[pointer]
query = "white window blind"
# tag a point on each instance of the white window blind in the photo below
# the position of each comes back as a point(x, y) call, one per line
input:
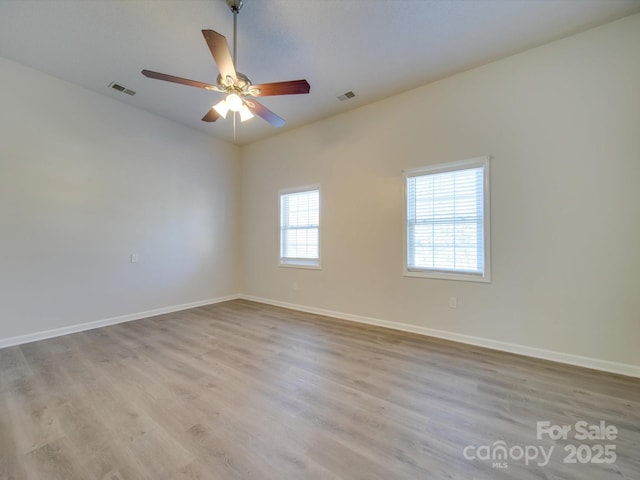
point(447, 225)
point(300, 227)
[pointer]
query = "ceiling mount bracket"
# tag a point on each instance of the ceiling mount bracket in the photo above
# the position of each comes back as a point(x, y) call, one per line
point(235, 5)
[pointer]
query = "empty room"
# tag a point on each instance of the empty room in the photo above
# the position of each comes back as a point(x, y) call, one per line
point(319, 239)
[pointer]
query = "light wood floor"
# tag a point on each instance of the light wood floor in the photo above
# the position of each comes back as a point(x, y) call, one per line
point(240, 390)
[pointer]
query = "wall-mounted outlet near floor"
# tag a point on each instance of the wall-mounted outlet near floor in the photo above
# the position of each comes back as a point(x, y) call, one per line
point(134, 258)
point(453, 302)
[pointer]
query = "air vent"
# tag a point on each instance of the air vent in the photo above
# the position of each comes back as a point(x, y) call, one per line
point(346, 96)
point(121, 89)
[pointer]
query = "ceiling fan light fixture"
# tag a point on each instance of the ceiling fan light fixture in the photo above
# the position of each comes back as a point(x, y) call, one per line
point(245, 113)
point(234, 102)
point(222, 108)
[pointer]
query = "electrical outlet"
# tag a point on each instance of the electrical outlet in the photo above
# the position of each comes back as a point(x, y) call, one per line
point(453, 302)
point(134, 258)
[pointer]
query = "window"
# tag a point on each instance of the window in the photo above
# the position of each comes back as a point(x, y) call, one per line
point(300, 227)
point(447, 221)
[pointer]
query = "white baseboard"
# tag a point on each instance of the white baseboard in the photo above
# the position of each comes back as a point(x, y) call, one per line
point(56, 332)
point(567, 358)
point(570, 359)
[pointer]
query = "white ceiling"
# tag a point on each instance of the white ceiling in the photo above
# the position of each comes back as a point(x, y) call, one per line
point(374, 47)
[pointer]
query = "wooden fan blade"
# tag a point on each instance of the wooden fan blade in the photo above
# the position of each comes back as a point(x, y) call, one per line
point(292, 87)
point(211, 116)
point(265, 113)
point(182, 81)
point(220, 50)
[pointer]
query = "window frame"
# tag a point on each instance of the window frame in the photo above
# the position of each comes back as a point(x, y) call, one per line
point(312, 264)
point(485, 163)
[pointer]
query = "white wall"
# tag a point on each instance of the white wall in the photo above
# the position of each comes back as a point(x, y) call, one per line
point(84, 182)
point(563, 125)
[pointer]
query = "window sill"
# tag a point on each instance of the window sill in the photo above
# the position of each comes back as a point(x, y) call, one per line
point(440, 275)
point(307, 266)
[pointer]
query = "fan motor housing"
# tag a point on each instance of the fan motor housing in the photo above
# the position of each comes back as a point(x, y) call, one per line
point(243, 81)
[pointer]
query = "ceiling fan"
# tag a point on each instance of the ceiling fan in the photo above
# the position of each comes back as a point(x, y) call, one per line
point(238, 89)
